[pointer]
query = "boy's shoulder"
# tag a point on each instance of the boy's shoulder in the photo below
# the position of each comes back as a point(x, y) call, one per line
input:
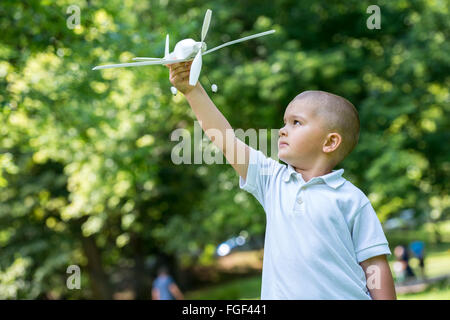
point(351, 198)
point(350, 188)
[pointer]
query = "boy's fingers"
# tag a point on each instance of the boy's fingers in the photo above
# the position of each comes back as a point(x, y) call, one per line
point(179, 80)
point(181, 75)
point(184, 74)
point(179, 66)
point(180, 70)
point(182, 64)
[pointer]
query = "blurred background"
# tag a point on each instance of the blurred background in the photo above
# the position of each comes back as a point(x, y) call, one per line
point(86, 177)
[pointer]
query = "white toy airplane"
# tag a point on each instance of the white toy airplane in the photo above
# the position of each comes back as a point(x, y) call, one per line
point(185, 50)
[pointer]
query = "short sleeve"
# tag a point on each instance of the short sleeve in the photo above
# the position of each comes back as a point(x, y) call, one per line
point(367, 234)
point(259, 173)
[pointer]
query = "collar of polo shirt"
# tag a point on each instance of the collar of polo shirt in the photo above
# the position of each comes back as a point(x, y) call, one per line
point(333, 179)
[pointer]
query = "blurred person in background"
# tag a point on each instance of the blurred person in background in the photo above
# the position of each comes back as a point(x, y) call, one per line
point(164, 287)
point(401, 266)
point(418, 250)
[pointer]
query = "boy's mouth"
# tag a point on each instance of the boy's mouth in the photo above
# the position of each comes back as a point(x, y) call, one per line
point(282, 144)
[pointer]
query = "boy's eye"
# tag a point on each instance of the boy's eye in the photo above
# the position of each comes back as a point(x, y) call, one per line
point(296, 121)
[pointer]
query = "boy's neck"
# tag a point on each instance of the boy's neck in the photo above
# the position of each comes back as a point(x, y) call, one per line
point(316, 171)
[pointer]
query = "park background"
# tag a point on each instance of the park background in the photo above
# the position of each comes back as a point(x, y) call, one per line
point(86, 176)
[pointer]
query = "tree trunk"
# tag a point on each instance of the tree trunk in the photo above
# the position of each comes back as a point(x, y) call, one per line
point(101, 288)
point(142, 285)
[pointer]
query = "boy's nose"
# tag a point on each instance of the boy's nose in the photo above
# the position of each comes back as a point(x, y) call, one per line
point(282, 132)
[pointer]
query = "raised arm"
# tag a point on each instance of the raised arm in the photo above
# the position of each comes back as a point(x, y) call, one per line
point(213, 123)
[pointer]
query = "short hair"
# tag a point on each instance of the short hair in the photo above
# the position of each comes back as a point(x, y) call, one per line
point(339, 115)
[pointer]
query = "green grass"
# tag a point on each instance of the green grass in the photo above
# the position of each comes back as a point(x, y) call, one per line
point(437, 263)
point(438, 291)
point(434, 295)
point(245, 288)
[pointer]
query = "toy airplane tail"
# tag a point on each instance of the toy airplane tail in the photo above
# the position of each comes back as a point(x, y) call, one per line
point(166, 50)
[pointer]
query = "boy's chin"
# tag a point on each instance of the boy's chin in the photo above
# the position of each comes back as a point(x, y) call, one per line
point(287, 158)
point(282, 156)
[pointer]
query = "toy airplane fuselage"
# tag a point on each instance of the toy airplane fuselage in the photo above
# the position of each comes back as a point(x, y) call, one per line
point(185, 50)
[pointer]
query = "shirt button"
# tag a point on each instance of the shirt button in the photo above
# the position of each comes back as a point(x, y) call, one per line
point(299, 200)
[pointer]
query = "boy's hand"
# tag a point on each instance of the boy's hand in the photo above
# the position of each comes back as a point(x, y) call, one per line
point(179, 76)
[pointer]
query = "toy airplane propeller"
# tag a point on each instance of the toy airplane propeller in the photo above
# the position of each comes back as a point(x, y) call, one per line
point(185, 50)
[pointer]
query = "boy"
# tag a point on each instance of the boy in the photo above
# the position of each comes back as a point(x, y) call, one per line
point(323, 238)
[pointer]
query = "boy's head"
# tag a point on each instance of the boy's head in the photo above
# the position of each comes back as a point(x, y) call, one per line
point(318, 126)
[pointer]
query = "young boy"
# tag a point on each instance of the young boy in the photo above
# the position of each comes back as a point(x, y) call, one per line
point(323, 239)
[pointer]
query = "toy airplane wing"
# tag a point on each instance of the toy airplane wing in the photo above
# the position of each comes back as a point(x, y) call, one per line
point(145, 61)
point(137, 64)
point(239, 40)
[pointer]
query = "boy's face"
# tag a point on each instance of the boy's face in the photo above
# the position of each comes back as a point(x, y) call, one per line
point(303, 135)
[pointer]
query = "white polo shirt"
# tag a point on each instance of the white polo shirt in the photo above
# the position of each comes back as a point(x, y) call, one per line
point(316, 232)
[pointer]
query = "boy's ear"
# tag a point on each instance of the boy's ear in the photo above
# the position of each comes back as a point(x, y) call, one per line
point(332, 142)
